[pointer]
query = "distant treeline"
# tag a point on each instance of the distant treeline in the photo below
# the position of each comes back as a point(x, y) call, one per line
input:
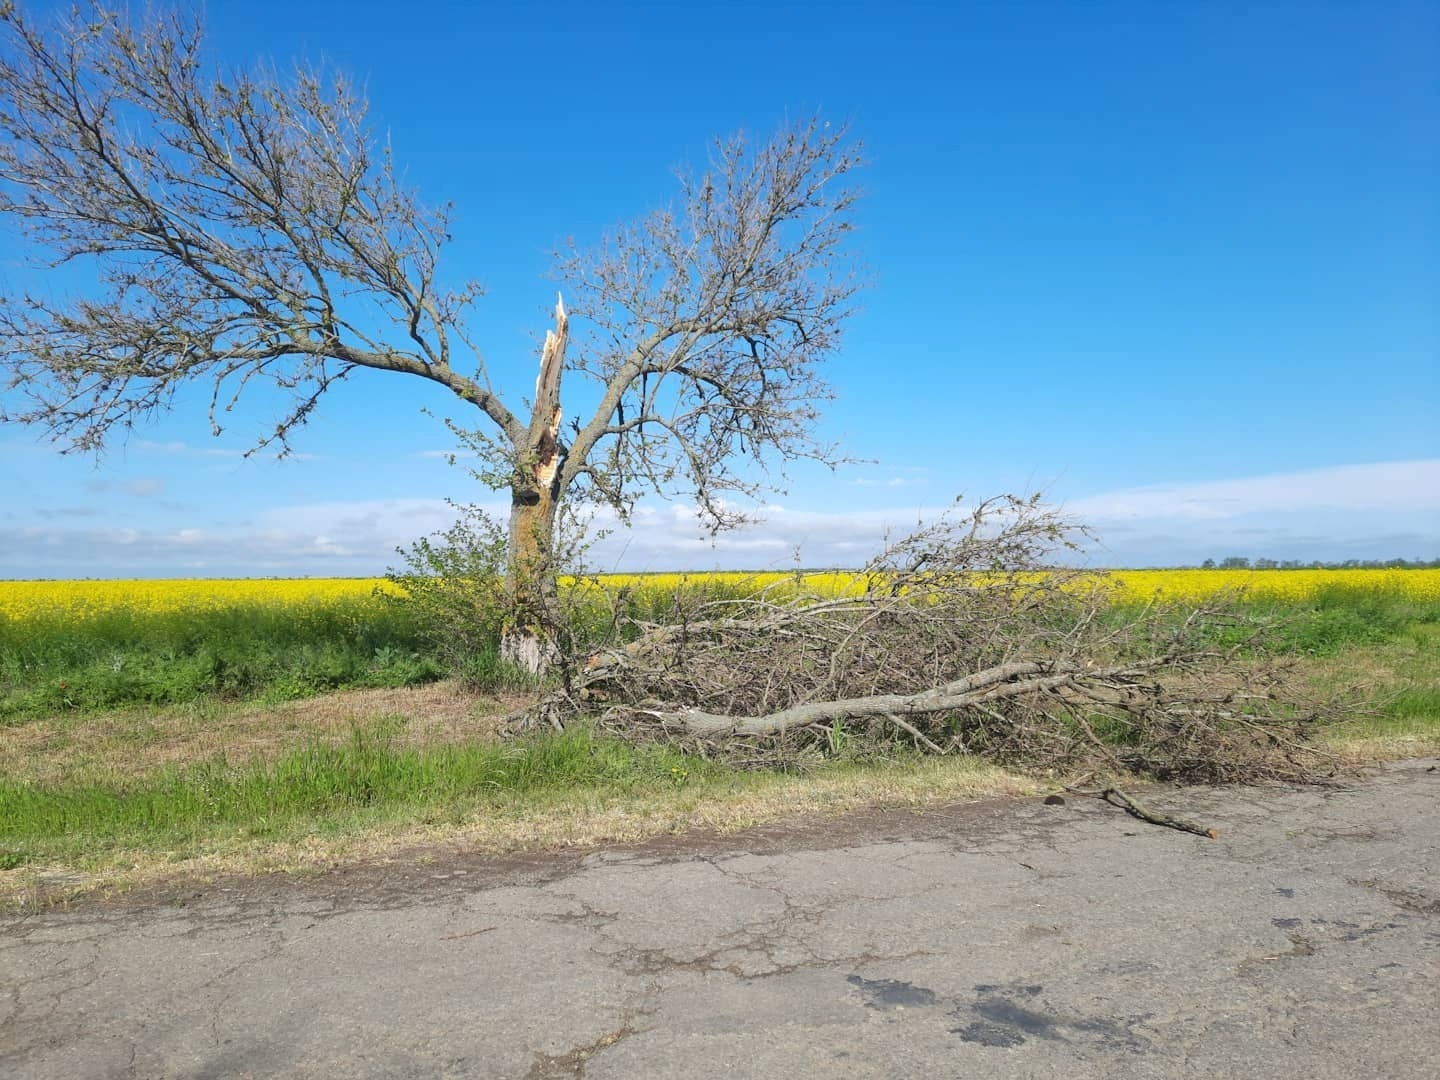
point(1235, 562)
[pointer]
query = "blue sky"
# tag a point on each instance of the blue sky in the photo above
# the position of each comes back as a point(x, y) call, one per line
point(1175, 265)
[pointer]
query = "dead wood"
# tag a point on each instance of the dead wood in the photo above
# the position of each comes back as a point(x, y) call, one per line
point(961, 637)
point(996, 684)
point(1116, 797)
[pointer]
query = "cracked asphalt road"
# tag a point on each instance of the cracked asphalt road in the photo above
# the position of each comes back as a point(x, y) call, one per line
point(1004, 939)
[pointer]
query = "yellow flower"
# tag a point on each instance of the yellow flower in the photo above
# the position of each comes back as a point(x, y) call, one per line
point(79, 600)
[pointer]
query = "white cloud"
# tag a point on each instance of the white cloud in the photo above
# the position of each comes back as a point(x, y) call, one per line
point(673, 538)
point(388, 521)
point(176, 447)
point(1353, 511)
point(1375, 511)
point(892, 482)
point(1397, 486)
point(140, 486)
point(144, 486)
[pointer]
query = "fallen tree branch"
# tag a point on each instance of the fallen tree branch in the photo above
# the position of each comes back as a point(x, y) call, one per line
point(993, 684)
point(1115, 797)
point(962, 637)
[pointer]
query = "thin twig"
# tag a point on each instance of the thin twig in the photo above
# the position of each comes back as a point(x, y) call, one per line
point(913, 731)
point(1115, 797)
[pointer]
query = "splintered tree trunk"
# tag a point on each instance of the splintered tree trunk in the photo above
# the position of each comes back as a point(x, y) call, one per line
point(529, 639)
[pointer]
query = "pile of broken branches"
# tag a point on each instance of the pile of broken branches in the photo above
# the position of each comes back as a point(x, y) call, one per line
point(961, 637)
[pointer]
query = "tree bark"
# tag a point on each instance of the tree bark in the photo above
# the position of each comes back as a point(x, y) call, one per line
point(980, 689)
point(528, 639)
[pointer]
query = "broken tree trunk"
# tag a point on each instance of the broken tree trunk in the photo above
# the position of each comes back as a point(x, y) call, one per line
point(528, 639)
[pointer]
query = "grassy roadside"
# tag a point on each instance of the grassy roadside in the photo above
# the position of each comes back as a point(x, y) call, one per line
point(138, 796)
point(1400, 678)
point(107, 798)
point(370, 796)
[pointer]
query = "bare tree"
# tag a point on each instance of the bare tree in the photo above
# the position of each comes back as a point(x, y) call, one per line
point(247, 229)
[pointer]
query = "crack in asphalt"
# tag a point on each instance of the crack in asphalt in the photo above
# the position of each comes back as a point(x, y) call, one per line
point(573, 1062)
point(1283, 949)
point(227, 974)
point(763, 936)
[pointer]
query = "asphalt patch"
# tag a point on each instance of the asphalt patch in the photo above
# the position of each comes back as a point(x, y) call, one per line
point(891, 993)
point(1004, 1017)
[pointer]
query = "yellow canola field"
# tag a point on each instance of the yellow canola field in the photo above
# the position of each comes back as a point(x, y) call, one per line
point(1287, 585)
point(84, 599)
point(87, 599)
point(1128, 585)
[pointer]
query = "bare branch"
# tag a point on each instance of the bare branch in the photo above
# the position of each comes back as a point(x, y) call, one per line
point(242, 229)
point(239, 228)
point(710, 320)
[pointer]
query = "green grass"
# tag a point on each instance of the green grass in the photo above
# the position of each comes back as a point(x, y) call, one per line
point(1336, 618)
point(326, 789)
point(50, 666)
point(1340, 617)
point(377, 783)
point(53, 665)
point(1401, 676)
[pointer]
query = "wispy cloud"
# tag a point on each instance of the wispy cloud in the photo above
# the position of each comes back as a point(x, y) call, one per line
point(140, 486)
point(144, 486)
point(51, 514)
point(175, 447)
point(1351, 511)
point(185, 449)
point(892, 482)
point(889, 475)
point(1396, 486)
